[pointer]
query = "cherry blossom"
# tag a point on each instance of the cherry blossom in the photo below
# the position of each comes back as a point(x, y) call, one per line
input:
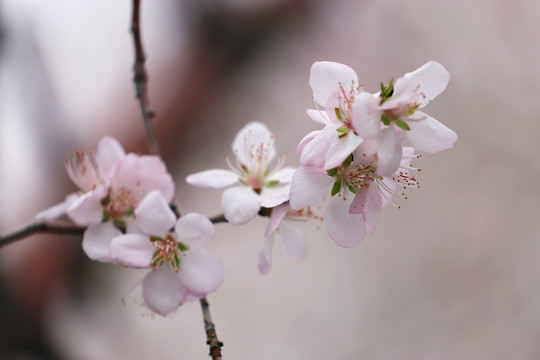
point(182, 268)
point(283, 219)
point(112, 183)
point(259, 186)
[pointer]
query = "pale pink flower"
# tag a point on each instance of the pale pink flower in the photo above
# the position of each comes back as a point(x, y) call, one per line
point(182, 269)
point(112, 183)
point(283, 220)
point(259, 186)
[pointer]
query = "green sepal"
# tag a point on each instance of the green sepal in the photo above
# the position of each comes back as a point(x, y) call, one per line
point(129, 212)
point(156, 258)
point(183, 247)
point(120, 223)
point(332, 172)
point(177, 261)
point(352, 189)
point(106, 215)
point(338, 114)
point(271, 183)
point(336, 187)
point(343, 129)
point(155, 238)
point(402, 124)
point(385, 119)
point(348, 160)
point(106, 201)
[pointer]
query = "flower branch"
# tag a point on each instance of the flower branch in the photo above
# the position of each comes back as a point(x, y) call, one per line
point(40, 228)
point(211, 337)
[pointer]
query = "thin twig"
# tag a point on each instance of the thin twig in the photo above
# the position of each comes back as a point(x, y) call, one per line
point(40, 227)
point(141, 81)
point(218, 219)
point(211, 336)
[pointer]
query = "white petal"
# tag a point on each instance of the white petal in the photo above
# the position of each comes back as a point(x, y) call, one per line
point(278, 213)
point(132, 250)
point(306, 140)
point(319, 116)
point(154, 215)
point(109, 152)
point(368, 202)
point(428, 134)
point(404, 94)
point(97, 240)
point(341, 149)
point(283, 175)
point(431, 79)
point(154, 176)
point(293, 239)
point(58, 210)
point(389, 151)
point(345, 229)
point(273, 196)
point(87, 209)
point(163, 291)
point(240, 204)
point(214, 178)
point(309, 186)
point(194, 230)
point(366, 119)
point(326, 77)
point(265, 257)
point(201, 272)
point(249, 139)
point(314, 152)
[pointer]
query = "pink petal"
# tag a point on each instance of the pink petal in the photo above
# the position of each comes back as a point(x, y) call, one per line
point(326, 77)
point(265, 257)
point(309, 186)
point(214, 178)
point(97, 240)
point(293, 239)
point(109, 152)
point(283, 175)
point(389, 151)
point(368, 202)
point(345, 229)
point(404, 94)
point(249, 139)
point(273, 196)
point(431, 80)
point(428, 134)
point(319, 116)
point(340, 149)
point(240, 204)
point(58, 210)
point(194, 230)
point(87, 209)
point(306, 140)
point(314, 152)
point(201, 272)
point(162, 290)
point(366, 119)
point(154, 215)
point(278, 213)
point(132, 250)
point(154, 176)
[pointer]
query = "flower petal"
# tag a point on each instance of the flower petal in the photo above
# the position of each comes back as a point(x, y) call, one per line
point(154, 176)
point(109, 152)
point(326, 77)
point(366, 119)
point(368, 202)
point(314, 152)
point(97, 240)
point(345, 229)
point(132, 250)
point(339, 150)
point(163, 291)
point(306, 140)
point(278, 213)
point(431, 80)
point(293, 239)
point(154, 215)
point(404, 94)
point(428, 134)
point(201, 272)
point(194, 230)
point(273, 196)
point(58, 210)
point(283, 175)
point(214, 178)
point(319, 116)
point(389, 151)
point(265, 256)
point(240, 204)
point(87, 209)
point(249, 140)
point(309, 186)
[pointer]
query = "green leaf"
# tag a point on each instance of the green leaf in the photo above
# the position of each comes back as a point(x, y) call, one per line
point(106, 215)
point(352, 189)
point(332, 172)
point(129, 212)
point(343, 129)
point(402, 124)
point(271, 183)
point(120, 223)
point(182, 247)
point(385, 119)
point(348, 160)
point(336, 187)
point(177, 261)
point(338, 114)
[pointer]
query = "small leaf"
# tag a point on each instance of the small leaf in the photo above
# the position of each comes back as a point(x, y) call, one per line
point(352, 189)
point(332, 172)
point(343, 129)
point(120, 223)
point(106, 215)
point(183, 247)
point(336, 187)
point(338, 114)
point(177, 262)
point(271, 183)
point(348, 160)
point(385, 119)
point(402, 124)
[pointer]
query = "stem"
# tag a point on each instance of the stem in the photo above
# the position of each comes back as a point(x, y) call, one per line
point(211, 336)
point(218, 219)
point(141, 81)
point(40, 227)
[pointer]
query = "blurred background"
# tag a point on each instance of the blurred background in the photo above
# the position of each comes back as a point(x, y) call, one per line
point(453, 274)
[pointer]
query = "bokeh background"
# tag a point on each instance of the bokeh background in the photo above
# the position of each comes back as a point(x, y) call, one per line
point(453, 274)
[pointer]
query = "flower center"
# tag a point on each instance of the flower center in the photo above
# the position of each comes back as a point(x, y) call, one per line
point(82, 168)
point(120, 203)
point(168, 250)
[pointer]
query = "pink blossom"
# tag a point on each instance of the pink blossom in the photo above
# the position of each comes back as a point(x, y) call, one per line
point(259, 186)
point(182, 269)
